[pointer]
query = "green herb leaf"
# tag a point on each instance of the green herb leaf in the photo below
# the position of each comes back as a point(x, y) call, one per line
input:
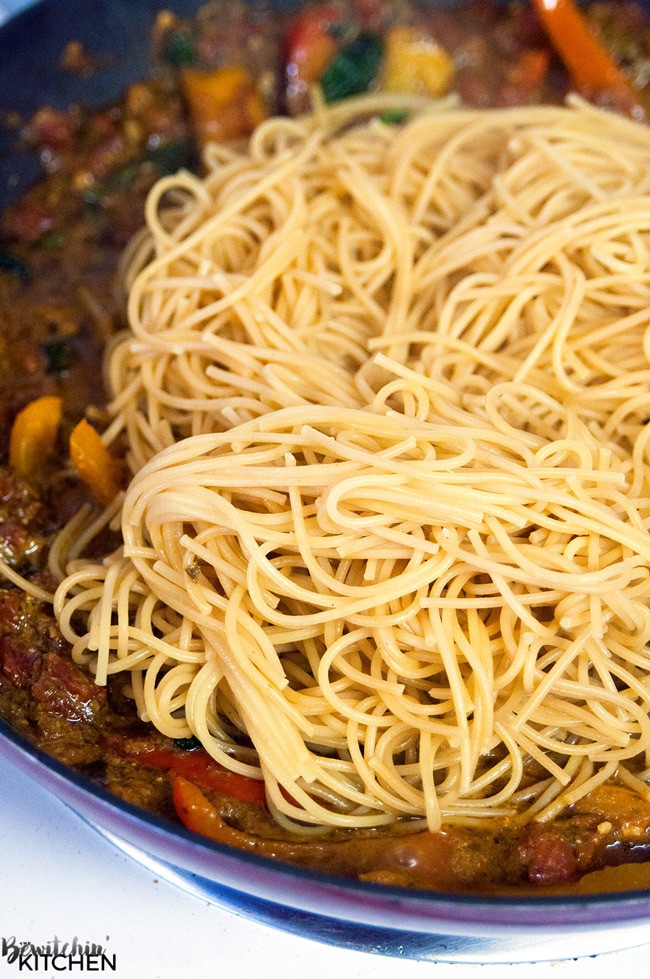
point(354, 69)
point(187, 744)
point(57, 353)
point(180, 50)
point(394, 117)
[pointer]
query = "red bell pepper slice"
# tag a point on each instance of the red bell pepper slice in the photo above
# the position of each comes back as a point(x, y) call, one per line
point(197, 766)
point(309, 44)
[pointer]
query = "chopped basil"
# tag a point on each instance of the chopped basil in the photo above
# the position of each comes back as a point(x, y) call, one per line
point(180, 50)
point(354, 69)
point(57, 353)
point(394, 117)
point(187, 744)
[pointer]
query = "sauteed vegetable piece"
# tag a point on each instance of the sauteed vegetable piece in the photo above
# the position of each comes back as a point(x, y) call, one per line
point(224, 104)
point(194, 764)
point(586, 58)
point(33, 435)
point(456, 858)
point(100, 470)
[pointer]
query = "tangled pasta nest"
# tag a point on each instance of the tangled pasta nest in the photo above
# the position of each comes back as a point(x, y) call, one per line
point(386, 394)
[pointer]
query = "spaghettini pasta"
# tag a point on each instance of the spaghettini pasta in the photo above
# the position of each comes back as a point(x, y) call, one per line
point(386, 393)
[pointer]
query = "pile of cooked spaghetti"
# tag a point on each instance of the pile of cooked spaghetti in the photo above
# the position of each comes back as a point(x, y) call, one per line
point(386, 402)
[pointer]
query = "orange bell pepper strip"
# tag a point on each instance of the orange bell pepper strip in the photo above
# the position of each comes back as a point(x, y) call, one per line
point(99, 470)
point(224, 105)
point(33, 435)
point(425, 857)
point(195, 811)
point(585, 57)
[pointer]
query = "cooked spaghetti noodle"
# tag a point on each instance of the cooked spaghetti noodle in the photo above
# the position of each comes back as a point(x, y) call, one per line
point(386, 395)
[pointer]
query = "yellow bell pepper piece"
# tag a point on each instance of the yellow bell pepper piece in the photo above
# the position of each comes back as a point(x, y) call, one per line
point(224, 104)
point(33, 435)
point(414, 63)
point(99, 470)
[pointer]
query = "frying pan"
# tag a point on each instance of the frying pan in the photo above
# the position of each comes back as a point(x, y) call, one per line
point(390, 920)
